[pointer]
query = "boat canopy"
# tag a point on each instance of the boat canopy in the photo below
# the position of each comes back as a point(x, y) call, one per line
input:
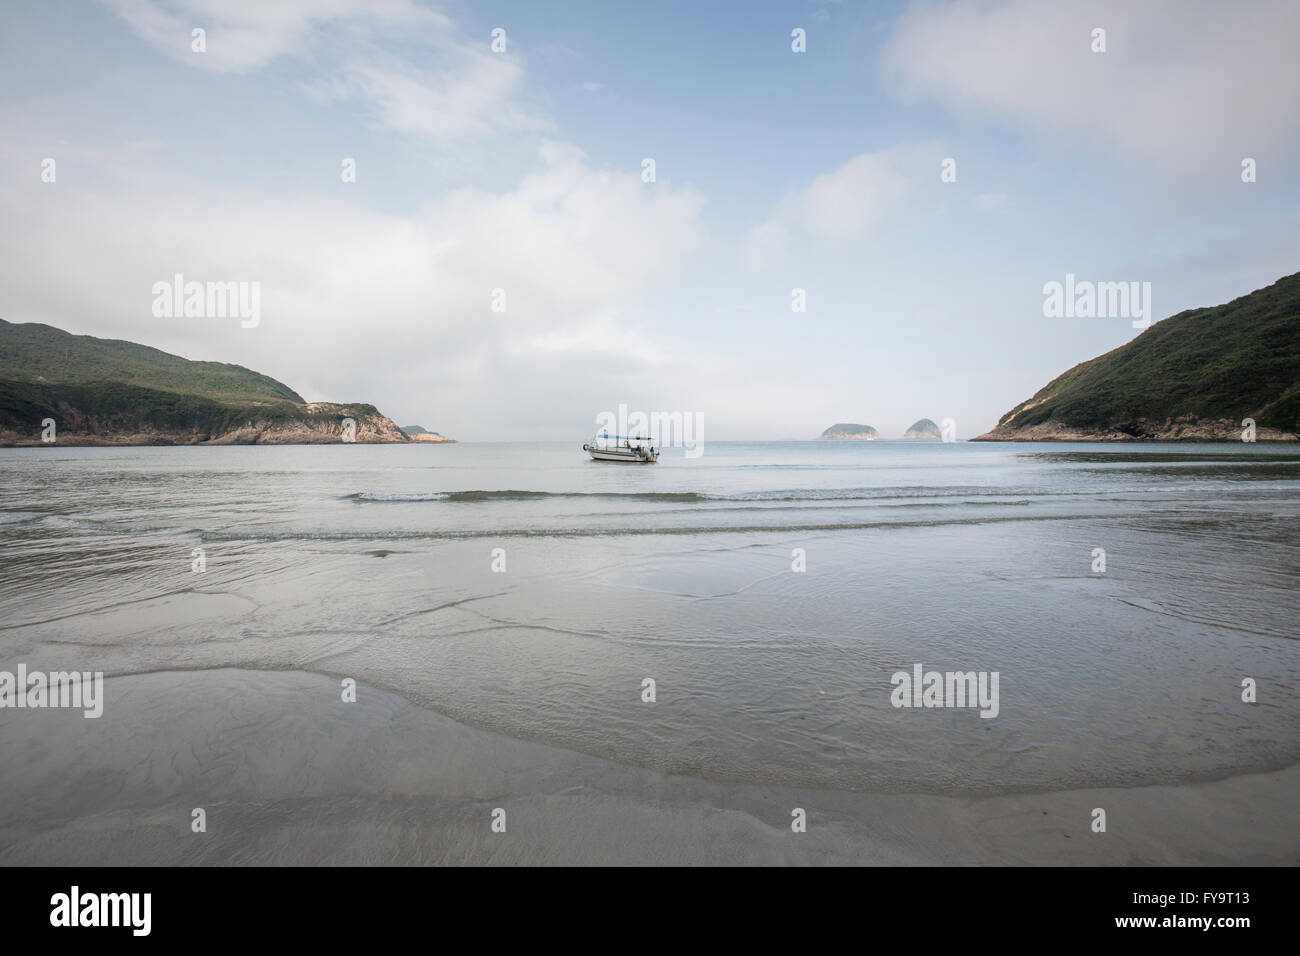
point(628, 437)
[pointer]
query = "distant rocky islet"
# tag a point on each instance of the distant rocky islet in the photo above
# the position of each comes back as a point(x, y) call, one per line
point(922, 430)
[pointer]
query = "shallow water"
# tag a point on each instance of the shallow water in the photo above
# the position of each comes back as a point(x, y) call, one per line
point(376, 563)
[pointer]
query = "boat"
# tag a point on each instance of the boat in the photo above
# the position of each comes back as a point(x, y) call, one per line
point(631, 448)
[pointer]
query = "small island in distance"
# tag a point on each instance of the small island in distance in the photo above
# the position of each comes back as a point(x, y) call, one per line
point(846, 431)
point(420, 433)
point(923, 430)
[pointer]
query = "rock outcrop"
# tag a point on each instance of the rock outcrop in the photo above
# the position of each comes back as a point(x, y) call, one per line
point(1188, 429)
point(419, 433)
point(315, 423)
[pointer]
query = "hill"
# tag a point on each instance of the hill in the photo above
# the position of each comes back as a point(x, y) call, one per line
point(41, 353)
point(1193, 376)
point(108, 391)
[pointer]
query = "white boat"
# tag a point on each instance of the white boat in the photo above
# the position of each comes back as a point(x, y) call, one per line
point(630, 448)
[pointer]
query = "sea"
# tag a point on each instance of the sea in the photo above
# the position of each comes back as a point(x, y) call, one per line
point(743, 615)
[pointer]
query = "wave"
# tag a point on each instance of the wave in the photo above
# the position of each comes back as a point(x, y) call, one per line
point(605, 532)
point(794, 494)
point(465, 497)
point(18, 517)
point(381, 496)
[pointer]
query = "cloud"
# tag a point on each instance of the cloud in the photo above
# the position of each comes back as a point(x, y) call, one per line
point(242, 37)
point(358, 305)
point(455, 89)
point(848, 202)
point(471, 101)
point(1186, 83)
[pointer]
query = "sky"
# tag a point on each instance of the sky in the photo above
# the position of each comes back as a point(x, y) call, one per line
point(523, 169)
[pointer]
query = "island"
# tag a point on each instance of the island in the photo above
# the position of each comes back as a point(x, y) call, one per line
point(1201, 375)
point(923, 430)
point(422, 434)
point(846, 431)
point(64, 389)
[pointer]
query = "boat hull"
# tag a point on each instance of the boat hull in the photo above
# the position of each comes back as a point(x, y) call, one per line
point(621, 454)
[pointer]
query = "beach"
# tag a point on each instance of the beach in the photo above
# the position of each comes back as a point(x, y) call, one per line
point(496, 622)
point(287, 774)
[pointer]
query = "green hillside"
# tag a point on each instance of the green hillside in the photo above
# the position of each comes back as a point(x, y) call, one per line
point(1227, 362)
point(105, 391)
point(31, 352)
point(107, 407)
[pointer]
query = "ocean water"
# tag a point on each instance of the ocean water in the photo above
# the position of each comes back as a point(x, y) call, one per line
point(526, 590)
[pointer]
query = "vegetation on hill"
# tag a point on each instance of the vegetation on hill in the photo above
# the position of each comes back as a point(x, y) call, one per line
point(106, 390)
point(32, 352)
point(1225, 363)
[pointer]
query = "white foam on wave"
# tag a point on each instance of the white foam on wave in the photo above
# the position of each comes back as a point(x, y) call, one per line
point(385, 496)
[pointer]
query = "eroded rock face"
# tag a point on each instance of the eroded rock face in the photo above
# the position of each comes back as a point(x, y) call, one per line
point(326, 426)
point(316, 423)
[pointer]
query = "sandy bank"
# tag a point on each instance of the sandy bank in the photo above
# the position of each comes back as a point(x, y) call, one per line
point(288, 773)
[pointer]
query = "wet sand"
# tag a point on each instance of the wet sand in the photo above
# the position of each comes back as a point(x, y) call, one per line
point(290, 774)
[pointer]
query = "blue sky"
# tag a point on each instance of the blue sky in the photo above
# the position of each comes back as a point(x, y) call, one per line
point(521, 171)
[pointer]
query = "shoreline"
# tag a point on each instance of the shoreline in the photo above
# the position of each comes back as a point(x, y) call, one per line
point(1130, 440)
point(1169, 431)
point(79, 441)
point(991, 437)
